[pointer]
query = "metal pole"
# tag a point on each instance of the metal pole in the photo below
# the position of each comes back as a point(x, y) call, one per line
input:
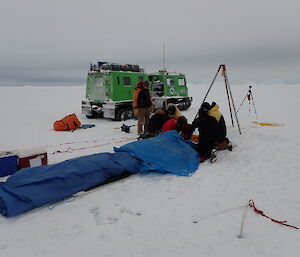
point(242, 102)
point(240, 235)
point(236, 117)
point(209, 88)
point(165, 80)
point(253, 104)
point(226, 86)
point(211, 84)
point(163, 57)
point(249, 101)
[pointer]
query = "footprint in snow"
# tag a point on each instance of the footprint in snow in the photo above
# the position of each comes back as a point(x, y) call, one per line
point(130, 212)
point(96, 214)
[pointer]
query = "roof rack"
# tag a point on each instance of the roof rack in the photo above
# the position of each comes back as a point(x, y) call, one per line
point(115, 67)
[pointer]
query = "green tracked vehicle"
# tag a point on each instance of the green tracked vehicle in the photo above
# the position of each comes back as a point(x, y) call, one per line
point(110, 87)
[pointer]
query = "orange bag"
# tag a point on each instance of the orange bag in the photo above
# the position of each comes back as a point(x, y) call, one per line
point(69, 122)
point(136, 111)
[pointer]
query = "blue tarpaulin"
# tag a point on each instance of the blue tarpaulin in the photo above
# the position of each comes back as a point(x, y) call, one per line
point(166, 153)
point(33, 187)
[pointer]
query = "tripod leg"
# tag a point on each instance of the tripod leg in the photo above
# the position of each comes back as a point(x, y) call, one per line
point(211, 84)
point(242, 103)
point(249, 107)
point(253, 105)
point(226, 86)
point(235, 113)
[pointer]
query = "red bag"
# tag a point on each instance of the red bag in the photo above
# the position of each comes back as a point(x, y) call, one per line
point(69, 122)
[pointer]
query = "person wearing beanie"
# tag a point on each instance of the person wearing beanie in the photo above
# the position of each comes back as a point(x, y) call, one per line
point(142, 105)
point(156, 122)
point(173, 110)
point(208, 133)
point(212, 131)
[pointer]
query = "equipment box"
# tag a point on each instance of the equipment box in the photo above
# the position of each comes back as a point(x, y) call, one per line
point(8, 163)
point(33, 157)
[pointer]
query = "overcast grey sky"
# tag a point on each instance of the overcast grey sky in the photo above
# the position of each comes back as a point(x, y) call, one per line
point(53, 41)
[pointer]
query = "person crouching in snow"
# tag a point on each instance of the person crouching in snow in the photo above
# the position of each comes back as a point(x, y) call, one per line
point(179, 124)
point(158, 119)
point(156, 122)
point(212, 132)
point(208, 133)
point(222, 142)
point(142, 105)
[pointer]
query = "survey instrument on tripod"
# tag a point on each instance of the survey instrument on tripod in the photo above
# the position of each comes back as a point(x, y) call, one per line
point(249, 97)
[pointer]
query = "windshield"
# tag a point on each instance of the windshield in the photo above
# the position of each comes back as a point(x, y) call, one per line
point(98, 91)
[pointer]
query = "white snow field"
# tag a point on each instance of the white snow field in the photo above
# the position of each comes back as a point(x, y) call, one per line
point(162, 215)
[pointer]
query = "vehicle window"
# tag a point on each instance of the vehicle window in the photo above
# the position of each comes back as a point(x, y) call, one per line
point(99, 82)
point(170, 82)
point(141, 78)
point(126, 81)
point(181, 82)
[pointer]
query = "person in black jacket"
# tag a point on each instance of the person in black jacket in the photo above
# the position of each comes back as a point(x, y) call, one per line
point(208, 133)
point(222, 142)
point(156, 122)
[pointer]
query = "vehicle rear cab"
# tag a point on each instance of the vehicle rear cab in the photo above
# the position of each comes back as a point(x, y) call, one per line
point(169, 88)
point(109, 93)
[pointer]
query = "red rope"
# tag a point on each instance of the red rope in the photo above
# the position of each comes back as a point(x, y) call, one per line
point(282, 222)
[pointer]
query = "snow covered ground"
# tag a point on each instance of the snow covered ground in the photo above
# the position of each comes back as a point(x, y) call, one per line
point(161, 215)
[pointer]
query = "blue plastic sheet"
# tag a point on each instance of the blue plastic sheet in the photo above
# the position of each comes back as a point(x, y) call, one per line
point(166, 153)
point(33, 187)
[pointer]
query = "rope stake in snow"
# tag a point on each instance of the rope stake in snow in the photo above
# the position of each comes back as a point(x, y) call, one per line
point(282, 222)
point(240, 235)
